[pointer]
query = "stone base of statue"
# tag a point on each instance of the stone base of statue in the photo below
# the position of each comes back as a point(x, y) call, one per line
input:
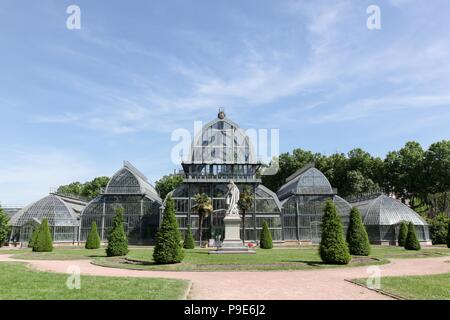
point(232, 242)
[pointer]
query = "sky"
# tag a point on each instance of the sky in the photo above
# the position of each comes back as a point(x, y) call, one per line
point(75, 103)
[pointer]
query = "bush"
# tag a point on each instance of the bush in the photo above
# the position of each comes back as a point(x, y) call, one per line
point(117, 238)
point(357, 238)
point(43, 242)
point(438, 229)
point(4, 227)
point(168, 247)
point(188, 239)
point(33, 238)
point(333, 247)
point(412, 243)
point(265, 241)
point(93, 239)
point(403, 233)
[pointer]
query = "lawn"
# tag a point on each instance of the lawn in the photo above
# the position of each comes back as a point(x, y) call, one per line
point(431, 287)
point(294, 258)
point(19, 282)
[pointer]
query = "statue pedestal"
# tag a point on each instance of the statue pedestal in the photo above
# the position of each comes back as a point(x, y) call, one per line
point(232, 242)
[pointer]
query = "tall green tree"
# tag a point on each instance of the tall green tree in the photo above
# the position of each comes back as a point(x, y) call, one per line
point(448, 235)
point(93, 239)
point(88, 190)
point(44, 241)
point(412, 243)
point(188, 239)
point(167, 184)
point(5, 228)
point(403, 233)
point(34, 236)
point(333, 247)
point(245, 203)
point(203, 207)
point(117, 238)
point(357, 238)
point(438, 228)
point(168, 247)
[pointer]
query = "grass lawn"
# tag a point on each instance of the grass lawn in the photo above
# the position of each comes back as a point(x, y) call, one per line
point(431, 287)
point(297, 258)
point(19, 282)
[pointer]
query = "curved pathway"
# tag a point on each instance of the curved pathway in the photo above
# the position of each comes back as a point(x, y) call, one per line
point(298, 284)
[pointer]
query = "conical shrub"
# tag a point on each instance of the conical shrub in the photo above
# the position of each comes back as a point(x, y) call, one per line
point(93, 239)
point(412, 243)
point(43, 241)
point(33, 237)
point(168, 247)
point(117, 238)
point(265, 241)
point(403, 233)
point(333, 247)
point(357, 238)
point(188, 239)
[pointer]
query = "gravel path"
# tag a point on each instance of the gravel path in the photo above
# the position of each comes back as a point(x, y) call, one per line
point(298, 284)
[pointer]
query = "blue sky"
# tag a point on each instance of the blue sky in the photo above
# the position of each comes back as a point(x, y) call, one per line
point(75, 104)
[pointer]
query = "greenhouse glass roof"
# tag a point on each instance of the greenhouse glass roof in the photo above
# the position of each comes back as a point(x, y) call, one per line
point(54, 208)
point(385, 210)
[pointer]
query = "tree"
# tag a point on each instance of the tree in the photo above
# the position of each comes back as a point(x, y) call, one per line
point(34, 236)
point(333, 248)
point(357, 238)
point(88, 190)
point(245, 203)
point(43, 242)
point(412, 243)
point(167, 184)
point(188, 239)
point(402, 235)
point(117, 238)
point(438, 228)
point(168, 247)
point(265, 241)
point(203, 207)
point(93, 239)
point(5, 228)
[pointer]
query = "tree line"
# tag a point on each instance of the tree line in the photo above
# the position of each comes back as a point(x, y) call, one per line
point(418, 177)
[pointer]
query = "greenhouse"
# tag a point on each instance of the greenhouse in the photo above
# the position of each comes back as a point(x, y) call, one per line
point(61, 212)
point(303, 199)
point(383, 215)
point(128, 189)
point(222, 152)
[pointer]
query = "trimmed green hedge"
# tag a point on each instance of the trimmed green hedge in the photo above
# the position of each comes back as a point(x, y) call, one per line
point(117, 238)
point(93, 239)
point(43, 241)
point(265, 241)
point(357, 238)
point(189, 239)
point(412, 243)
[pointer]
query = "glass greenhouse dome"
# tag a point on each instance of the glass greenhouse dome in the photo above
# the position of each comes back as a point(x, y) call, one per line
point(383, 215)
point(61, 212)
point(128, 189)
point(303, 199)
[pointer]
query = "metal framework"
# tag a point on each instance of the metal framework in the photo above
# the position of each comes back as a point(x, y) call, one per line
point(130, 190)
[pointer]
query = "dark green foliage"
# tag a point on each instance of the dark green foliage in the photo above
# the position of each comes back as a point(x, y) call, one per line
point(33, 237)
point(333, 248)
point(265, 241)
point(188, 239)
point(245, 203)
point(4, 227)
point(412, 243)
point(448, 235)
point(117, 238)
point(403, 233)
point(88, 190)
point(168, 247)
point(93, 239)
point(43, 242)
point(167, 184)
point(357, 238)
point(438, 228)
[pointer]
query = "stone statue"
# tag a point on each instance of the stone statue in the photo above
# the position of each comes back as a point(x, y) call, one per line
point(232, 199)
